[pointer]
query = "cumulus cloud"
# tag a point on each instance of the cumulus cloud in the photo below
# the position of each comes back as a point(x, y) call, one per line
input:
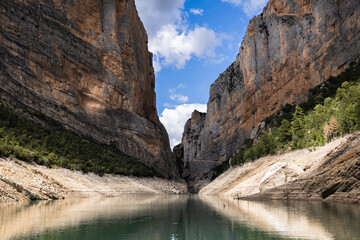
point(179, 98)
point(174, 120)
point(157, 13)
point(173, 46)
point(197, 11)
point(171, 38)
point(250, 7)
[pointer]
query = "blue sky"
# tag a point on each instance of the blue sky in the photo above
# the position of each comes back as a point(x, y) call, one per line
point(193, 41)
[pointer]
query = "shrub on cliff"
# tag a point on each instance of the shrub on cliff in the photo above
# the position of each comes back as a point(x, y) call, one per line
point(46, 142)
point(334, 111)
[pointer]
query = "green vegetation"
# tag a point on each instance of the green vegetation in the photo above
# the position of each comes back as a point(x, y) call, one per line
point(46, 142)
point(333, 110)
point(218, 170)
point(317, 95)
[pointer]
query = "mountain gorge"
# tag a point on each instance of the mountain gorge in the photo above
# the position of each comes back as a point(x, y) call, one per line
point(86, 65)
point(83, 67)
point(290, 48)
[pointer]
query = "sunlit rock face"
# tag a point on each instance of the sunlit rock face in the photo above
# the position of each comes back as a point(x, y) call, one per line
point(293, 46)
point(85, 63)
point(331, 173)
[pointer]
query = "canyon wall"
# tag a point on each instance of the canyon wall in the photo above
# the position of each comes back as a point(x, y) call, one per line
point(291, 47)
point(85, 63)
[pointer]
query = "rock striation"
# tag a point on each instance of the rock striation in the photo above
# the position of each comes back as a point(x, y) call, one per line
point(191, 143)
point(22, 181)
point(85, 63)
point(291, 47)
point(331, 173)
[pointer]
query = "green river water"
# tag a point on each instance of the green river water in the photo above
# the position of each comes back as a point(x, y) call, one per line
point(189, 217)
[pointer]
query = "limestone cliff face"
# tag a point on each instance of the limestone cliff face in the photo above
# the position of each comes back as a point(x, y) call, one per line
point(294, 45)
point(191, 143)
point(85, 63)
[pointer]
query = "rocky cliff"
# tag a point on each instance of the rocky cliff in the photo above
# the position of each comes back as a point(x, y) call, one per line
point(291, 47)
point(190, 145)
point(85, 63)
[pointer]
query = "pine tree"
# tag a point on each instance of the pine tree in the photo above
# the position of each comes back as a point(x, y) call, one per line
point(297, 128)
point(357, 116)
point(285, 131)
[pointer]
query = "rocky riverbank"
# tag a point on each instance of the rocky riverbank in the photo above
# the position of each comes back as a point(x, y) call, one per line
point(331, 173)
point(21, 181)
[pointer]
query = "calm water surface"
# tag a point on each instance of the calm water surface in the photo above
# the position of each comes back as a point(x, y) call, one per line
point(178, 217)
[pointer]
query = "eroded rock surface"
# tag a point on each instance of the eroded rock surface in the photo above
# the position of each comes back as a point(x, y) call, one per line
point(293, 46)
point(279, 174)
point(331, 173)
point(85, 63)
point(21, 181)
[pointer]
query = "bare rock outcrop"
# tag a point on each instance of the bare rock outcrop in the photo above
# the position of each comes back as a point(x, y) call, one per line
point(331, 173)
point(85, 63)
point(291, 47)
point(279, 174)
point(21, 181)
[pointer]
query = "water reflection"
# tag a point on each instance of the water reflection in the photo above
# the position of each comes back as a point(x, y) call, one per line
point(27, 219)
point(177, 218)
point(294, 219)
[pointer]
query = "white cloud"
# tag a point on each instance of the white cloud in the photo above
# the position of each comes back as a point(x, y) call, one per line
point(250, 7)
point(179, 98)
point(171, 39)
point(169, 105)
point(197, 11)
point(235, 2)
point(157, 66)
point(176, 47)
point(174, 120)
point(157, 13)
point(181, 85)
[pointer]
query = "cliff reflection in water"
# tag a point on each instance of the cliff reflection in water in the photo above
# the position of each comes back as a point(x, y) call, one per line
point(25, 220)
point(177, 217)
point(292, 219)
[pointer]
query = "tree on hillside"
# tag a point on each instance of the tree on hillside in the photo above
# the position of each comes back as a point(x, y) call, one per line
point(357, 116)
point(284, 131)
point(331, 129)
point(297, 128)
point(348, 98)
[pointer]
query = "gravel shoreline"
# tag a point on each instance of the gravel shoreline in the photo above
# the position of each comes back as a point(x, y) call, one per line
point(21, 181)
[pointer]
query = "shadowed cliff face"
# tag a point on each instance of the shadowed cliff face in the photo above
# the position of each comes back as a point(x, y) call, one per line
point(293, 46)
point(85, 63)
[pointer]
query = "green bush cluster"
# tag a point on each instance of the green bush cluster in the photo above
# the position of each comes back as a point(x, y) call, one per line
point(48, 143)
point(317, 95)
point(267, 145)
point(313, 123)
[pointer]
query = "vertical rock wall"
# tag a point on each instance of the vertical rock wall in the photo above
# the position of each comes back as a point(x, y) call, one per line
point(291, 47)
point(85, 63)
